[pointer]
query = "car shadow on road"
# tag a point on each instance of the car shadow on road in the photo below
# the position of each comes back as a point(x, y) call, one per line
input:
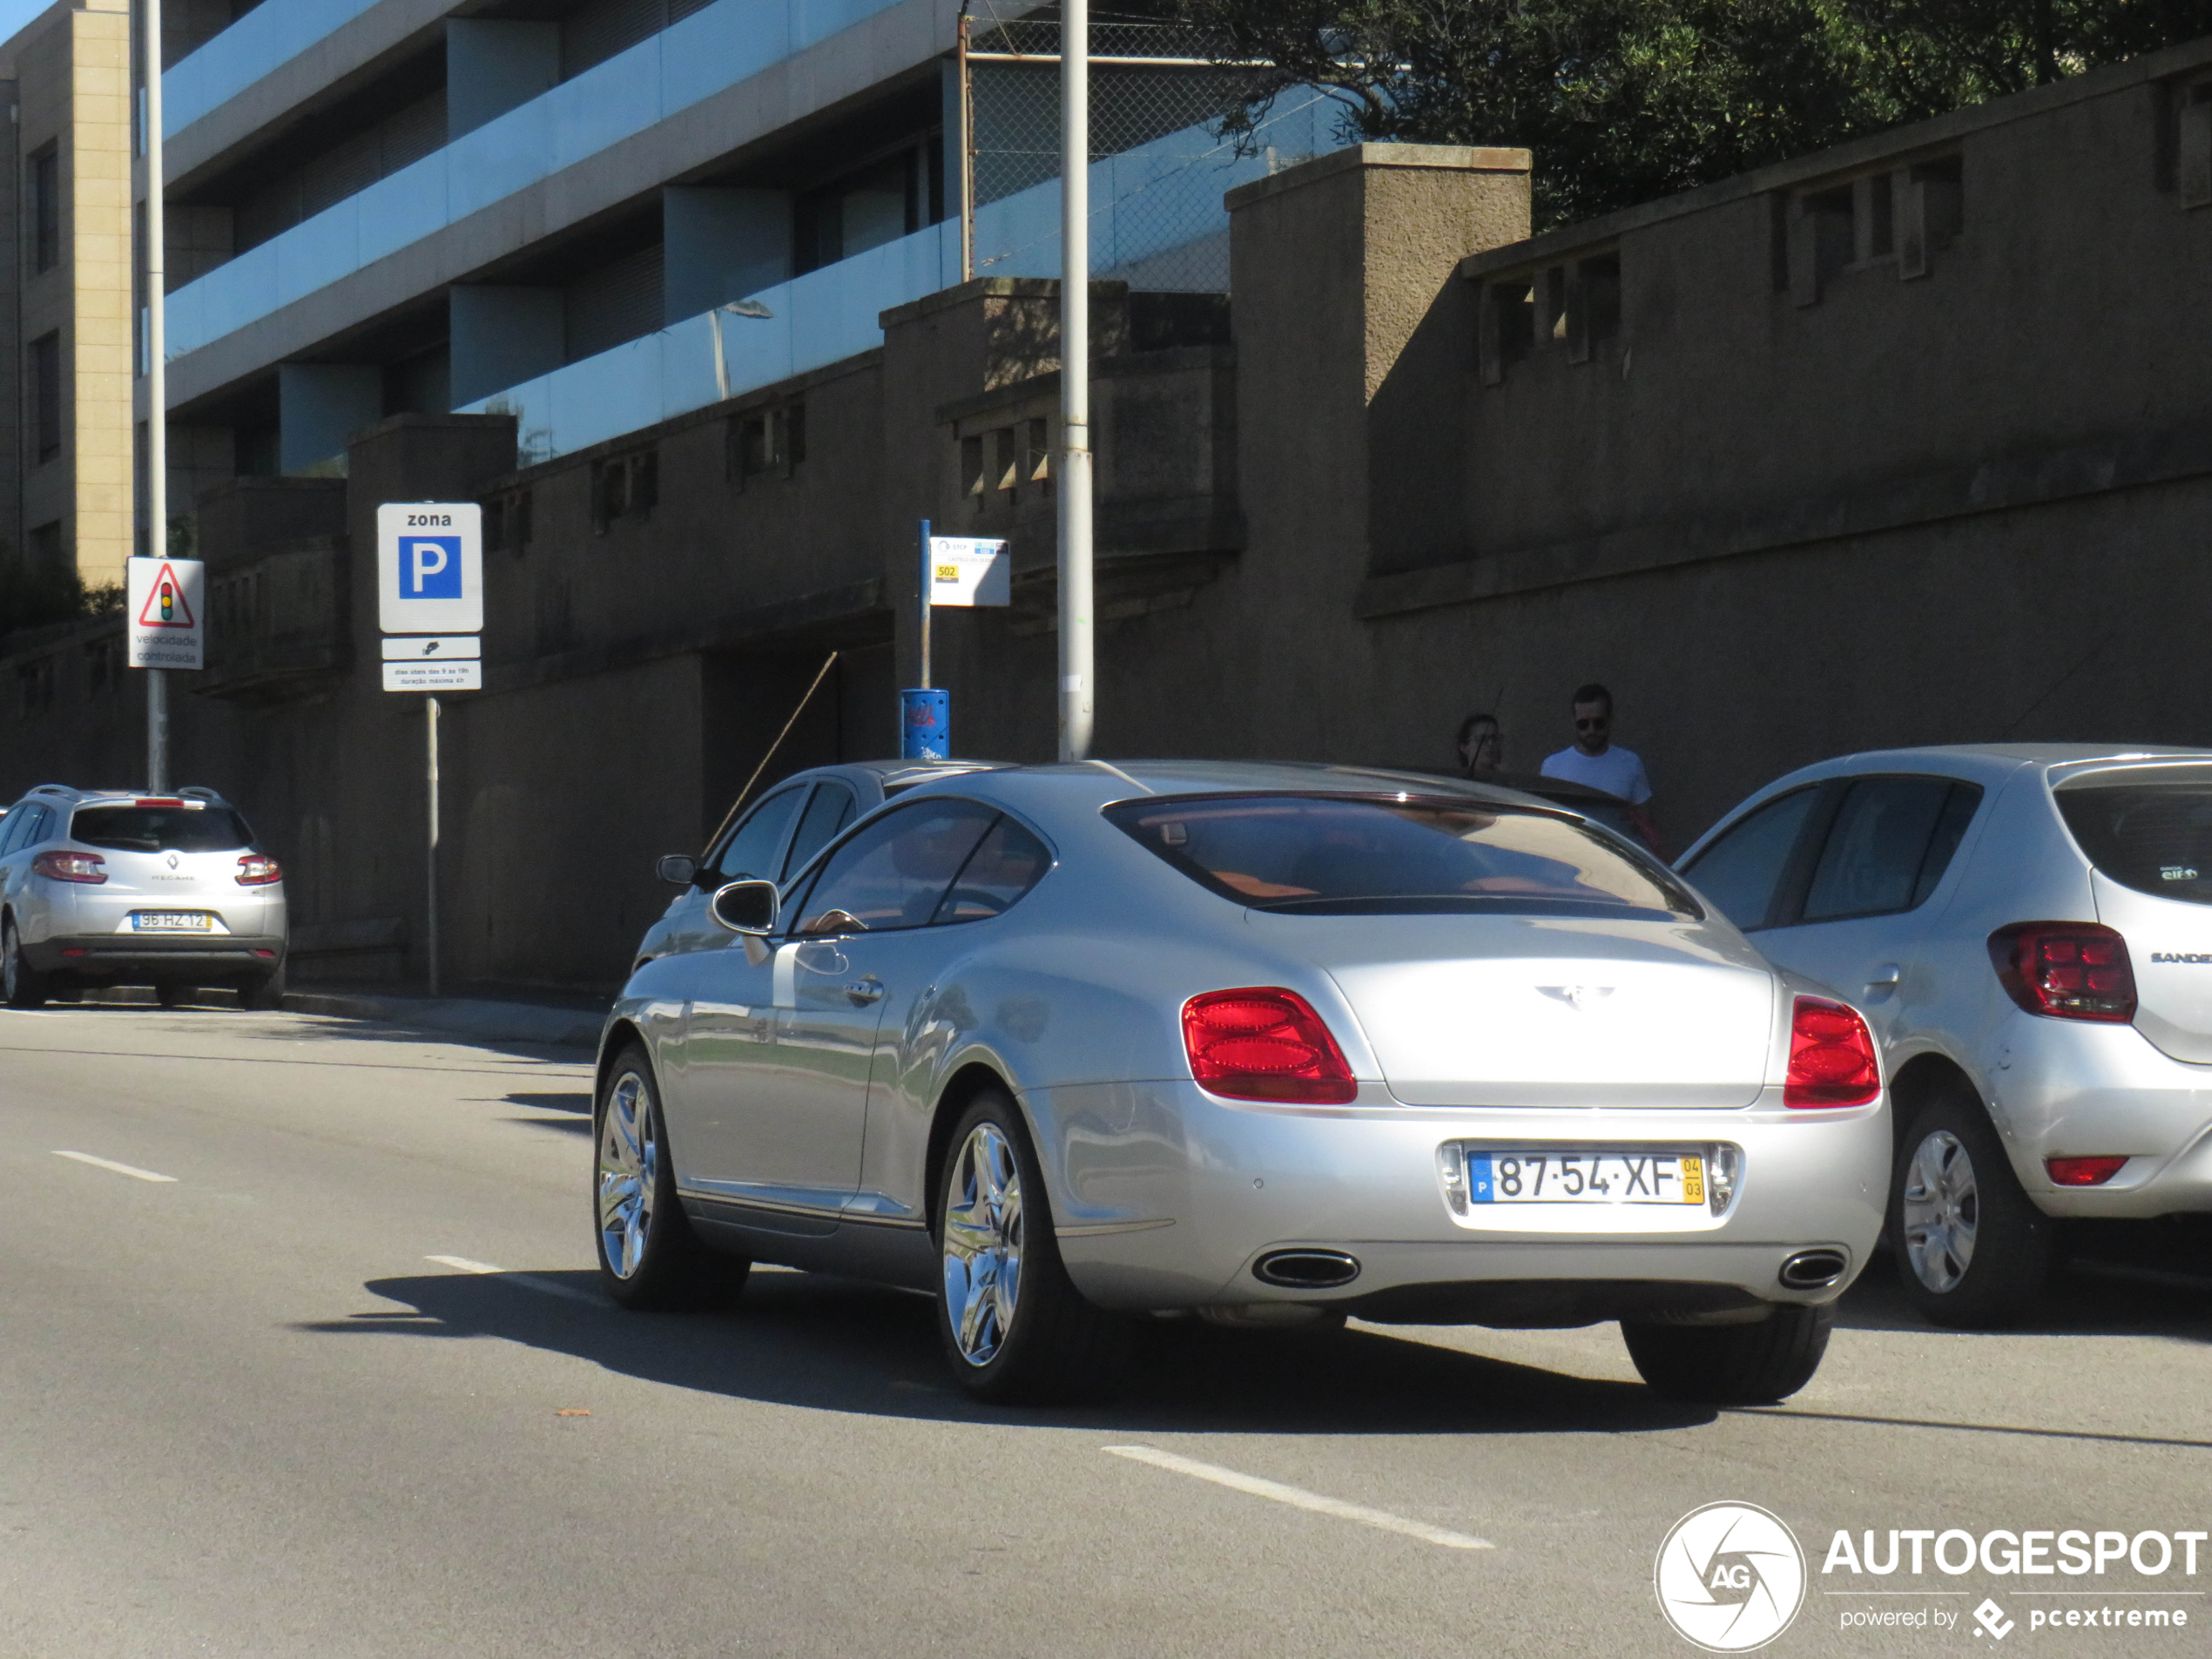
point(2108, 1294)
point(834, 1345)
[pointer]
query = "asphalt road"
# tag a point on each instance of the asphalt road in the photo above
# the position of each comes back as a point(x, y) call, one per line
point(342, 1386)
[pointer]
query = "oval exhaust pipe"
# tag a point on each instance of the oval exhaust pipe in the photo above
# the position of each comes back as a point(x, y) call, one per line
point(1306, 1269)
point(1814, 1270)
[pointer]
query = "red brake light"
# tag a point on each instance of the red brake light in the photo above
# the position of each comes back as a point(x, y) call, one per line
point(87, 867)
point(1831, 1057)
point(1264, 1044)
point(2068, 970)
point(2083, 1172)
point(258, 870)
point(163, 800)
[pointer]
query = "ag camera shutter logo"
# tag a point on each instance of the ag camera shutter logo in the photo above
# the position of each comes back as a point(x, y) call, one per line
point(1729, 1577)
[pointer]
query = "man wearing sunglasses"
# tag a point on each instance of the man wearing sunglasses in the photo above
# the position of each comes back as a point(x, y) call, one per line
point(1596, 760)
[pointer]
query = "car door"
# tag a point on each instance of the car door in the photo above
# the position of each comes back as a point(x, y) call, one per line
point(1858, 923)
point(21, 832)
point(781, 1103)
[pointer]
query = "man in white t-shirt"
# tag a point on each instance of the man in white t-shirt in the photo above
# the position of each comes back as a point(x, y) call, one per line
point(1596, 761)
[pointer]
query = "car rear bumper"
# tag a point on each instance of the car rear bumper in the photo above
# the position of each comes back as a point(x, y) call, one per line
point(128, 957)
point(1165, 1196)
point(2062, 1089)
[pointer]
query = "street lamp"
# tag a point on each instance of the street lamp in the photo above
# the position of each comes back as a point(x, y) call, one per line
point(736, 308)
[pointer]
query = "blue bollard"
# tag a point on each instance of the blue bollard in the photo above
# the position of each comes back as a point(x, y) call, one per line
point(925, 724)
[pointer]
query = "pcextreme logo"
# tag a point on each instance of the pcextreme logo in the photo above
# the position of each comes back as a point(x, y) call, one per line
point(1729, 1577)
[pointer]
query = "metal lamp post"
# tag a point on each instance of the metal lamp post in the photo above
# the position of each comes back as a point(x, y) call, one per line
point(157, 478)
point(1075, 667)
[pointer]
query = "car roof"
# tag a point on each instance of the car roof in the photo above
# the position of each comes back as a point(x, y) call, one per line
point(1980, 762)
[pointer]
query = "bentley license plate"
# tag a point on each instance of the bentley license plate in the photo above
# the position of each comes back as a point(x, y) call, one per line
point(171, 921)
point(1585, 1177)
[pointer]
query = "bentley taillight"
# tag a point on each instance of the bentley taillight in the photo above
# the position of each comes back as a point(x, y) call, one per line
point(1831, 1057)
point(1264, 1043)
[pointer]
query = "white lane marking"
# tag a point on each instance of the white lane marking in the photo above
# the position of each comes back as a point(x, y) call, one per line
point(528, 1281)
point(1298, 1498)
point(130, 1170)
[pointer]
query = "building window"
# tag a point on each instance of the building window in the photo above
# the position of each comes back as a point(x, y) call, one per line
point(1038, 469)
point(624, 487)
point(45, 378)
point(104, 666)
point(45, 184)
point(763, 443)
point(1898, 217)
point(46, 546)
point(507, 522)
point(890, 197)
point(35, 684)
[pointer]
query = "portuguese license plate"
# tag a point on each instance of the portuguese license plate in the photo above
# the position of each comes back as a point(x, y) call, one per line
point(171, 921)
point(1585, 1177)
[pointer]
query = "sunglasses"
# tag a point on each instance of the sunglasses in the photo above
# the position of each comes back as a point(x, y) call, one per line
point(1598, 724)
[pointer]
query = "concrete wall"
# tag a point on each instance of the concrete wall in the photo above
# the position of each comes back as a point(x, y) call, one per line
point(1954, 497)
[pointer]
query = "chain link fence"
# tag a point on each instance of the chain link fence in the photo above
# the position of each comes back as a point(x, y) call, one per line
point(1161, 161)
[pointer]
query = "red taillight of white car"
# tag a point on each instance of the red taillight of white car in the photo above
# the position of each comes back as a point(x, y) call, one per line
point(2067, 970)
point(86, 867)
point(1831, 1057)
point(1264, 1043)
point(259, 870)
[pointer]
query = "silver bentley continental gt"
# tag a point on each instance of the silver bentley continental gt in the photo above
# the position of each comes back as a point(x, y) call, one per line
point(1059, 1045)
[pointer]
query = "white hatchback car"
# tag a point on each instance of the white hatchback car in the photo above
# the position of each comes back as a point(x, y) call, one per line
point(2028, 928)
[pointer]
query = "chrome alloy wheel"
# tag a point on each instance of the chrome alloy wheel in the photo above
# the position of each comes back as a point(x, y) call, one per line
point(628, 1161)
point(983, 1243)
point(1942, 1209)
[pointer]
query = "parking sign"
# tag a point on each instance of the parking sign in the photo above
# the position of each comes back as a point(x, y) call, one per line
point(430, 568)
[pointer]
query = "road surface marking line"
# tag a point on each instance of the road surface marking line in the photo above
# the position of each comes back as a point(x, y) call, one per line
point(130, 1170)
point(1298, 1498)
point(528, 1281)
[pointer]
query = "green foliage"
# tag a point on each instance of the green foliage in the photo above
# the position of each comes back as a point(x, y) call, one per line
point(1626, 100)
point(31, 596)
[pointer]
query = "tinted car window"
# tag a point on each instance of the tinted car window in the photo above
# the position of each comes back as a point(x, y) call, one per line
point(1006, 864)
point(829, 811)
point(894, 873)
point(1880, 847)
point(2148, 828)
point(161, 829)
point(1740, 872)
point(751, 853)
point(1333, 855)
point(21, 824)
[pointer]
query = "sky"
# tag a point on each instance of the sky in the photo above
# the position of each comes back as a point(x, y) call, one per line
point(14, 13)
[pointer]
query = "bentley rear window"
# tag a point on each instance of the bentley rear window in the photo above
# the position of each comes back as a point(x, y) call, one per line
point(1338, 856)
point(2147, 827)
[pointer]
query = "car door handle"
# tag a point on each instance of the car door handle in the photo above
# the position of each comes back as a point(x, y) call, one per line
point(1884, 978)
point(865, 991)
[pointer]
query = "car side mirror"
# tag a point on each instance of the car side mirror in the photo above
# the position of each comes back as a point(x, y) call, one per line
point(677, 869)
point(748, 907)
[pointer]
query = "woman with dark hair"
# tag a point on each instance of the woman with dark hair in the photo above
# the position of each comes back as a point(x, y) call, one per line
point(1482, 745)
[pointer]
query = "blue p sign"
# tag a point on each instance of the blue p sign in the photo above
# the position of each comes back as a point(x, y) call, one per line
point(433, 567)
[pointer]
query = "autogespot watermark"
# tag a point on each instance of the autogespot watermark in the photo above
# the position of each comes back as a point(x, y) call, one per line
point(1730, 1578)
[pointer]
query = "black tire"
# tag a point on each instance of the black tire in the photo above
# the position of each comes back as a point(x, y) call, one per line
point(1732, 1365)
point(263, 992)
point(2009, 1242)
point(23, 986)
point(170, 995)
point(1053, 1344)
point(668, 1267)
